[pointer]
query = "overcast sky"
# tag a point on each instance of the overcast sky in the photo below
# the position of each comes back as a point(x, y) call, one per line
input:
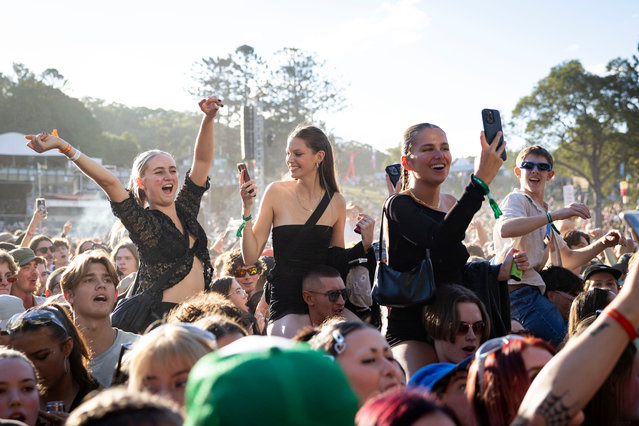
point(402, 61)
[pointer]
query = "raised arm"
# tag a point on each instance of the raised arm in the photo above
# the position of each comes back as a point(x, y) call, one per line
point(203, 152)
point(254, 237)
point(518, 226)
point(566, 384)
point(577, 257)
point(104, 178)
point(38, 216)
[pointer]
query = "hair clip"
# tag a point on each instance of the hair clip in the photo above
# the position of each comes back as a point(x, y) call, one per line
point(340, 342)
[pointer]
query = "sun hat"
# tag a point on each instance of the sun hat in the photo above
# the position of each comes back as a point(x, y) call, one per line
point(9, 306)
point(22, 255)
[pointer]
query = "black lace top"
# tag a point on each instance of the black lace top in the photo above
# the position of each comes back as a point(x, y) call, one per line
point(165, 256)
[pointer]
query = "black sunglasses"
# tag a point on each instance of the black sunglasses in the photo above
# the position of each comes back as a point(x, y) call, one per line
point(478, 327)
point(333, 295)
point(529, 165)
point(34, 317)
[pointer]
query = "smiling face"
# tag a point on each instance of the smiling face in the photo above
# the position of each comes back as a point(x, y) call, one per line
point(300, 159)
point(45, 352)
point(238, 296)
point(533, 182)
point(27, 278)
point(319, 303)
point(465, 344)
point(160, 180)
point(368, 363)
point(95, 295)
point(245, 279)
point(19, 398)
point(430, 158)
point(125, 261)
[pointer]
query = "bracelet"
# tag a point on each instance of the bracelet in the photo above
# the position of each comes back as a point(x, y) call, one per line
point(76, 155)
point(491, 200)
point(549, 217)
point(66, 149)
point(244, 220)
point(622, 321)
point(31, 234)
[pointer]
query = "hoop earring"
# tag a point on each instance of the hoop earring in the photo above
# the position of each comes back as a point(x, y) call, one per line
point(340, 343)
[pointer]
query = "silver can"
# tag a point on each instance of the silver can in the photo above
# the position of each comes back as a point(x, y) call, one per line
point(55, 407)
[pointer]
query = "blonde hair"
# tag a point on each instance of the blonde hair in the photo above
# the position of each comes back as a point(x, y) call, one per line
point(137, 171)
point(164, 346)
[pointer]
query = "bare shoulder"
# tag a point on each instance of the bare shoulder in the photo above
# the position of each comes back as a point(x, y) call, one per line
point(339, 200)
point(447, 201)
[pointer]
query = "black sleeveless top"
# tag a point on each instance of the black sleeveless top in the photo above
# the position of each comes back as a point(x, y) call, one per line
point(291, 263)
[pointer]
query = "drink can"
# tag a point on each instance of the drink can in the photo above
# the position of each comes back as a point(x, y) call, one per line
point(55, 407)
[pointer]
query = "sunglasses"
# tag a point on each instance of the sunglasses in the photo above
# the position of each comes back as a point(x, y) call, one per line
point(333, 295)
point(489, 347)
point(10, 279)
point(478, 327)
point(529, 165)
point(38, 316)
point(240, 272)
point(44, 250)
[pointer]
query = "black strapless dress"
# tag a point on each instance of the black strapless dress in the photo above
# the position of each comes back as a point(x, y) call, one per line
point(291, 263)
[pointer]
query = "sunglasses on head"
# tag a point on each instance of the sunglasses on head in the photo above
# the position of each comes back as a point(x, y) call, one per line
point(333, 295)
point(240, 272)
point(529, 165)
point(478, 327)
point(489, 347)
point(34, 317)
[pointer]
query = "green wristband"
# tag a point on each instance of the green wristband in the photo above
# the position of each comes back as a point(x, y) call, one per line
point(244, 220)
point(491, 200)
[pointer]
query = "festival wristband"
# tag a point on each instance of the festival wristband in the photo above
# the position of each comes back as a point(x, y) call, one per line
point(491, 200)
point(244, 220)
point(622, 321)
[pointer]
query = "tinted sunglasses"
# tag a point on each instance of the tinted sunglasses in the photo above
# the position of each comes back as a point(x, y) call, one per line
point(529, 165)
point(10, 279)
point(489, 347)
point(240, 272)
point(34, 317)
point(478, 327)
point(333, 295)
point(44, 250)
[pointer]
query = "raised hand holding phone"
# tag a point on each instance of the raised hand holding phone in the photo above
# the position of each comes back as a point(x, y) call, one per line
point(492, 125)
point(246, 184)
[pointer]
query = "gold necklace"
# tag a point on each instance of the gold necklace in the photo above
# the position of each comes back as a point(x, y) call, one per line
point(424, 203)
point(300, 202)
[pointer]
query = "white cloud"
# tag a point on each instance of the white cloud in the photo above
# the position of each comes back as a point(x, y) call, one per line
point(599, 69)
point(573, 47)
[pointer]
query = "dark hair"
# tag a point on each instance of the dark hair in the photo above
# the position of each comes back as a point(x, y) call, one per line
point(54, 279)
point(585, 304)
point(317, 141)
point(401, 407)
point(561, 279)
point(606, 406)
point(234, 260)
point(476, 250)
point(79, 356)
point(60, 242)
point(315, 273)
point(253, 301)
point(441, 318)
point(573, 236)
point(118, 406)
point(506, 382)
point(37, 240)
point(220, 325)
point(222, 286)
point(325, 337)
point(410, 136)
point(534, 150)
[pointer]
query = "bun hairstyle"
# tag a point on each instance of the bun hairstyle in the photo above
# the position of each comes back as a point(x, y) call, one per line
point(317, 140)
point(137, 172)
point(410, 135)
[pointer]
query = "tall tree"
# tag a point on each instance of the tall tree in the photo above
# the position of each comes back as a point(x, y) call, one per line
point(578, 113)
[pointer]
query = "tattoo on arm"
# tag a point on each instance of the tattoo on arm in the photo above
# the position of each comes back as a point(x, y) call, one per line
point(599, 329)
point(554, 411)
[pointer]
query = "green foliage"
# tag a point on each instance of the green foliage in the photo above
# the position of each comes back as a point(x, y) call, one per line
point(587, 119)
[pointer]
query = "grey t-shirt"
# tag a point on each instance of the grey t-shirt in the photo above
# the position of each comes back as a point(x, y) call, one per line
point(103, 366)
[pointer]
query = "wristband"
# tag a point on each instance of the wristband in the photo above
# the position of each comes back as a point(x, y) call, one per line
point(244, 220)
point(622, 321)
point(31, 234)
point(491, 200)
point(549, 217)
point(76, 155)
point(66, 149)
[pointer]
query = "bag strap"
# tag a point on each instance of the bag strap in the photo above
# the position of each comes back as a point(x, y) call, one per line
point(317, 213)
point(381, 234)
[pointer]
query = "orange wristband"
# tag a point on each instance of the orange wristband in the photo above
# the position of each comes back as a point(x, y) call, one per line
point(67, 149)
point(623, 322)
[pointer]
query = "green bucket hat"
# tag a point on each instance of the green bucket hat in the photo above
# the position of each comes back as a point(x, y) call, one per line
point(23, 255)
point(274, 386)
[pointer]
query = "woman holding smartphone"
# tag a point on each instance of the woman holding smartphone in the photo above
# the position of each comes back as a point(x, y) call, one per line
point(174, 260)
point(420, 217)
point(286, 206)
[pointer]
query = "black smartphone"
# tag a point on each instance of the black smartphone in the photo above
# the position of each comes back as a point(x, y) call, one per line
point(492, 125)
point(41, 204)
point(394, 172)
point(241, 167)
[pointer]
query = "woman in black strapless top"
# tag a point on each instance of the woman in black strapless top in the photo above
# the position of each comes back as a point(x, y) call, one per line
point(286, 206)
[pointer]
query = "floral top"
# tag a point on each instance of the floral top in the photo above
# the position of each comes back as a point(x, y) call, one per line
point(165, 255)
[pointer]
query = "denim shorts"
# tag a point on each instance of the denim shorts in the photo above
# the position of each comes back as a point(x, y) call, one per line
point(537, 314)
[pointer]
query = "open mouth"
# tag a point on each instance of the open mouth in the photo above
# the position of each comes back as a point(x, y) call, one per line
point(100, 298)
point(17, 416)
point(168, 188)
point(469, 349)
point(438, 167)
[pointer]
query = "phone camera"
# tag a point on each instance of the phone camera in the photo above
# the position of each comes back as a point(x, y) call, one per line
point(490, 117)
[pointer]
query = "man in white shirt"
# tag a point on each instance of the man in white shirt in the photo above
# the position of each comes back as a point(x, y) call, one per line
point(89, 285)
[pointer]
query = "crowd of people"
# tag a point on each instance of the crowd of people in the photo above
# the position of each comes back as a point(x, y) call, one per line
point(533, 320)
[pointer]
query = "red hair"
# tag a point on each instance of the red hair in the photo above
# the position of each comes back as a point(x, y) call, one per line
point(505, 382)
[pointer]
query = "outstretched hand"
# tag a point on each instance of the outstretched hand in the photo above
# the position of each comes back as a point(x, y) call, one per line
point(44, 142)
point(210, 106)
point(490, 160)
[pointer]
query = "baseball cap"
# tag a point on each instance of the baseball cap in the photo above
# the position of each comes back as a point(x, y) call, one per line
point(593, 269)
point(292, 385)
point(22, 255)
point(430, 375)
point(9, 306)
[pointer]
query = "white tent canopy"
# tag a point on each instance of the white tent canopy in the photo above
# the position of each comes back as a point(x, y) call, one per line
point(13, 143)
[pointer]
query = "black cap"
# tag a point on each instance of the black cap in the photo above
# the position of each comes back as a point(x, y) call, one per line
point(593, 269)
